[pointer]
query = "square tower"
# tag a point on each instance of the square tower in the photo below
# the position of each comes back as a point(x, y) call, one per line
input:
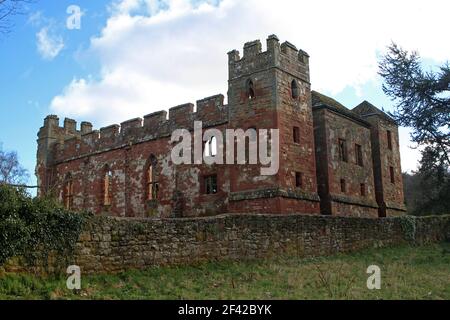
point(344, 160)
point(386, 160)
point(271, 90)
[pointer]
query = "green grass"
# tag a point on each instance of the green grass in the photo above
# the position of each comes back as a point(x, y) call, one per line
point(406, 273)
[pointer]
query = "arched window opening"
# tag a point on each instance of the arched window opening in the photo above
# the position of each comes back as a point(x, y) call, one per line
point(152, 186)
point(107, 186)
point(68, 191)
point(294, 90)
point(211, 147)
point(250, 90)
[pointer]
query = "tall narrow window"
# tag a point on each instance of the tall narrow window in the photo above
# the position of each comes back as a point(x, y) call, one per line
point(362, 187)
point(210, 147)
point(343, 150)
point(152, 183)
point(294, 90)
point(392, 174)
point(210, 184)
point(68, 191)
point(389, 139)
point(296, 134)
point(343, 186)
point(107, 186)
point(358, 155)
point(250, 89)
point(298, 180)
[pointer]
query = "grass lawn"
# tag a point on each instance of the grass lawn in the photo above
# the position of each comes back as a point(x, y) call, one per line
point(406, 273)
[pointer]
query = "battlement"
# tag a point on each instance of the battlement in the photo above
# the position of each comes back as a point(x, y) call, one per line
point(71, 142)
point(285, 56)
point(252, 48)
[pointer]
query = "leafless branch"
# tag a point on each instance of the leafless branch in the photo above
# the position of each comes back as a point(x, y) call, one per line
point(9, 9)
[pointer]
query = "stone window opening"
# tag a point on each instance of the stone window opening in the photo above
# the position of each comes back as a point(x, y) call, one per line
point(210, 147)
point(343, 186)
point(250, 90)
point(343, 156)
point(210, 184)
point(68, 191)
point(392, 174)
point(107, 186)
point(363, 189)
point(294, 90)
point(299, 180)
point(152, 185)
point(359, 155)
point(389, 139)
point(296, 134)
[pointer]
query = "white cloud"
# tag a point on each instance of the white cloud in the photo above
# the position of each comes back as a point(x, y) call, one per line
point(36, 18)
point(49, 45)
point(157, 54)
point(48, 42)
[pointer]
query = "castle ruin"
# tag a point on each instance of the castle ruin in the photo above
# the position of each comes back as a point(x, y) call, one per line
point(332, 160)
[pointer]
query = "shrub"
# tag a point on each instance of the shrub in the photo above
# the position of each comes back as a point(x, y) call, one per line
point(35, 227)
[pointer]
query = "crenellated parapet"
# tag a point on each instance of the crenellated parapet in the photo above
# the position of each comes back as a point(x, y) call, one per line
point(285, 56)
point(68, 142)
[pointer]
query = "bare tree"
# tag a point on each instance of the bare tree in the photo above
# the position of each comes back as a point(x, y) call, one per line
point(8, 9)
point(11, 172)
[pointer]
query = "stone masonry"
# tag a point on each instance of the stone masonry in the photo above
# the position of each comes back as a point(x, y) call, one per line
point(116, 244)
point(333, 160)
point(112, 244)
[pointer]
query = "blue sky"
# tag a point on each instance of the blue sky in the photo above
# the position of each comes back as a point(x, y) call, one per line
point(133, 57)
point(28, 81)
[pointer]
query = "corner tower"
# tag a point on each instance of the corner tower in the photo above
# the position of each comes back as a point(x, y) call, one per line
point(386, 160)
point(51, 135)
point(271, 90)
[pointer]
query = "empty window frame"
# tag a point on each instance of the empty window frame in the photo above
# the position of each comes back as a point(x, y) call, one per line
point(358, 155)
point(107, 186)
point(299, 180)
point(343, 186)
point(389, 139)
point(152, 186)
point(296, 134)
point(343, 150)
point(294, 90)
point(210, 183)
point(392, 174)
point(250, 90)
point(210, 147)
point(68, 191)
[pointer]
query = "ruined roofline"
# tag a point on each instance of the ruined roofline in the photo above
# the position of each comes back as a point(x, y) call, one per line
point(321, 101)
point(71, 142)
point(366, 109)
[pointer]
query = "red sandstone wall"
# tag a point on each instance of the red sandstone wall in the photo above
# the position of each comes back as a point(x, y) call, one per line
point(126, 149)
point(389, 195)
point(330, 127)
